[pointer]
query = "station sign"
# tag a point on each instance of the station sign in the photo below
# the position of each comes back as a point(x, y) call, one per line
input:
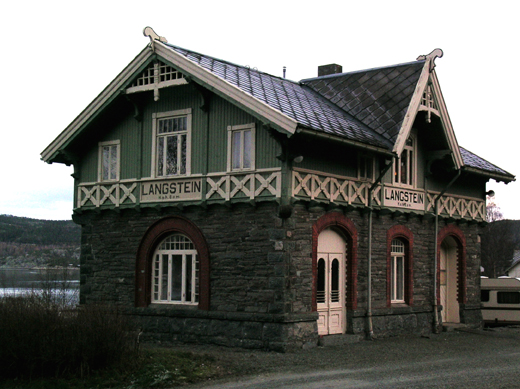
point(171, 190)
point(403, 198)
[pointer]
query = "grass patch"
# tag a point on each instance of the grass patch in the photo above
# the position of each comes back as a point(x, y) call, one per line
point(45, 344)
point(155, 367)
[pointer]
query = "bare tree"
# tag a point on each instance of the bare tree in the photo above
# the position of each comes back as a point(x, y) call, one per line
point(493, 212)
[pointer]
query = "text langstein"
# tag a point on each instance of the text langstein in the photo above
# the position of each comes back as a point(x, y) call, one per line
point(171, 190)
point(403, 198)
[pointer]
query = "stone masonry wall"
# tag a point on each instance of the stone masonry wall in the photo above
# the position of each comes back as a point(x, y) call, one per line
point(249, 305)
point(261, 274)
point(396, 318)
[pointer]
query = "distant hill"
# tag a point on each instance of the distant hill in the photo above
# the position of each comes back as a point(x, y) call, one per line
point(34, 231)
point(26, 242)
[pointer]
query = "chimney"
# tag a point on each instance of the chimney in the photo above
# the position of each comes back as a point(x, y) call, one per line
point(325, 70)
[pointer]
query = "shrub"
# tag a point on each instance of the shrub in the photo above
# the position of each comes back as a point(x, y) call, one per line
point(38, 338)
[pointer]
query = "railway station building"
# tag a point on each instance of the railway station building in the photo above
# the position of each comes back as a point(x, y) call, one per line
point(220, 204)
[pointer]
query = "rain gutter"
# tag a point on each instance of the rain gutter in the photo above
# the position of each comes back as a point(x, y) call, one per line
point(370, 329)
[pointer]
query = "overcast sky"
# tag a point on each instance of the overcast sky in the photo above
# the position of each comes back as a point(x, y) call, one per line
point(57, 56)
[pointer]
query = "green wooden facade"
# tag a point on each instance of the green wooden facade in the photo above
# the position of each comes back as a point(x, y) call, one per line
point(331, 170)
point(328, 173)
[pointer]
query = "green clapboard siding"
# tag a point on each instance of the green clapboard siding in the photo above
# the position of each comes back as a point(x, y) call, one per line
point(209, 135)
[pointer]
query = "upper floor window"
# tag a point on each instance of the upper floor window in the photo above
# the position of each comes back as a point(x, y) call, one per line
point(172, 143)
point(404, 167)
point(241, 147)
point(365, 168)
point(108, 164)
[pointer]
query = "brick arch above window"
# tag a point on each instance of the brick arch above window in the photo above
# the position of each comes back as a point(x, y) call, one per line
point(460, 239)
point(155, 234)
point(346, 227)
point(404, 234)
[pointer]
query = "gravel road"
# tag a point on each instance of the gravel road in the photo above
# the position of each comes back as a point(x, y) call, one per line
point(458, 359)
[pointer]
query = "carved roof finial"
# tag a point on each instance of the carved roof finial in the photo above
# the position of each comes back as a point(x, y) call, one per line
point(437, 53)
point(149, 32)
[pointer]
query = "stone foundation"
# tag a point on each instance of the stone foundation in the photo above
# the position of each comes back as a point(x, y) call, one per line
point(261, 274)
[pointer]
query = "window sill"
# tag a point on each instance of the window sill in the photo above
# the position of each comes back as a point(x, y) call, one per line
point(399, 305)
point(173, 306)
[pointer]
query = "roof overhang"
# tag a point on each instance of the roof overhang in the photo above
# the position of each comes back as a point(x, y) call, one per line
point(96, 106)
point(336, 138)
point(493, 175)
point(196, 73)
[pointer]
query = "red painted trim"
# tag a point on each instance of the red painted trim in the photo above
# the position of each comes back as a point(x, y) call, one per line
point(155, 235)
point(344, 224)
point(455, 232)
point(406, 235)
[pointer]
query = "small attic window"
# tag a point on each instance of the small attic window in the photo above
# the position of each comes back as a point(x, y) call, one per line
point(167, 73)
point(428, 103)
point(146, 78)
point(157, 75)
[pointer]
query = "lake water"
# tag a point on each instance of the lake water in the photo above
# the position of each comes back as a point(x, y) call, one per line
point(63, 283)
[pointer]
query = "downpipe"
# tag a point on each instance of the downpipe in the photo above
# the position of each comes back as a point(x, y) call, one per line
point(370, 328)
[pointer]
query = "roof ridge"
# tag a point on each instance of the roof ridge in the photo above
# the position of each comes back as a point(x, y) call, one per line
point(231, 63)
point(361, 71)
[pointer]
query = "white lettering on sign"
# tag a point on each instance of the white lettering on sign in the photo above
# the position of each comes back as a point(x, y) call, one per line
point(403, 198)
point(171, 190)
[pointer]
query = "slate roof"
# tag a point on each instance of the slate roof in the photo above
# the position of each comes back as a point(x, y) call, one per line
point(479, 163)
point(379, 98)
point(366, 106)
point(295, 100)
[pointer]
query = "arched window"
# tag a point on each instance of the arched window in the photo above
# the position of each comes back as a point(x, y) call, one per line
point(175, 271)
point(172, 265)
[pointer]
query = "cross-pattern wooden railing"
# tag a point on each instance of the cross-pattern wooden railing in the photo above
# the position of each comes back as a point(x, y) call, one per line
point(216, 187)
point(252, 185)
point(333, 189)
point(114, 194)
point(344, 190)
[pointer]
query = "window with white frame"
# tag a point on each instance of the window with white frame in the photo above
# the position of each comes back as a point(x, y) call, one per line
point(175, 273)
point(241, 147)
point(365, 167)
point(404, 167)
point(108, 161)
point(172, 143)
point(397, 278)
